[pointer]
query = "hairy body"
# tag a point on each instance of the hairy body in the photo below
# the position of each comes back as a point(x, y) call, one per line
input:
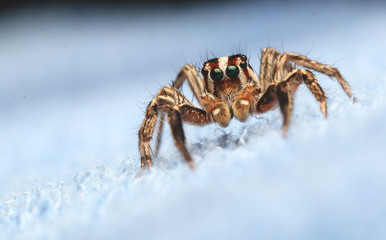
point(230, 88)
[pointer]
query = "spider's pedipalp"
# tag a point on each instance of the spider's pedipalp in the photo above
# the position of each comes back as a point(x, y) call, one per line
point(244, 101)
point(217, 110)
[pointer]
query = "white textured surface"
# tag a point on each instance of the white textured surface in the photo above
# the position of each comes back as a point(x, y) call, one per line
point(70, 83)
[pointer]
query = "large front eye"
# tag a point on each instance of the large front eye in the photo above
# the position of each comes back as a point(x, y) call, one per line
point(232, 71)
point(216, 74)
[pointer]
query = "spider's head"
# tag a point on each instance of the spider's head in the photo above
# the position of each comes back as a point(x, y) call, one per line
point(226, 74)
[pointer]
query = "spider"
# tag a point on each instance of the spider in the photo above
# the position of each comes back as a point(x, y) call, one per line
point(230, 88)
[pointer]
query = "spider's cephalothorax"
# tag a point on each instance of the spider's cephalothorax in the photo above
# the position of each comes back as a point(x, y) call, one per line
point(230, 88)
point(225, 78)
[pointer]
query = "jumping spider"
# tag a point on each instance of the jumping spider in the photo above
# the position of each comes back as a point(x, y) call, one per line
point(230, 88)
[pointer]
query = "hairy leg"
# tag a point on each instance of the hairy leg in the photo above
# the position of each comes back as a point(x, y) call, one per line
point(267, 67)
point(282, 92)
point(175, 122)
point(285, 102)
point(322, 68)
point(168, 100)
point(145, 134)
point(187, 72)
point(267, 101)
point(161, 119)
point(297, 76)
point(277, 95)
point(285, 72)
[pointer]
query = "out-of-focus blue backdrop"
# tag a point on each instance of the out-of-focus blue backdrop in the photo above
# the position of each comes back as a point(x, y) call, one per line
point(75, 79)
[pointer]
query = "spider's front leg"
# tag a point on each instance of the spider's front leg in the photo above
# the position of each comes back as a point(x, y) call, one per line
point(170, 101)
point(281, 94)
point(189, 73)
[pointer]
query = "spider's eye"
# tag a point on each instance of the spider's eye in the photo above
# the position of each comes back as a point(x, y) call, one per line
point(243, 64)
point(204, 72)
point(216, 74)
point(232, 71)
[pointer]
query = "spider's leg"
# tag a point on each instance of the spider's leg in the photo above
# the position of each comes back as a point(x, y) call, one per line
point(267, 66)
point(285, 102)
point(297, 76)
point(188, 114)
point(190, 73)
point(267, 101)
point(187, 72)
point(165, 98)
point(194, 115)
point(159, 133)
point(283, 67)
point(175, 121)
point(169, 100)
point(302, 75)
point(161, 118)
point(277, 94)
point(145, 133)
point(322, 68)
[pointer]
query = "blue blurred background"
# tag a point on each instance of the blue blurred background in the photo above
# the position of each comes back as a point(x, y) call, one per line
point(75, 77)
